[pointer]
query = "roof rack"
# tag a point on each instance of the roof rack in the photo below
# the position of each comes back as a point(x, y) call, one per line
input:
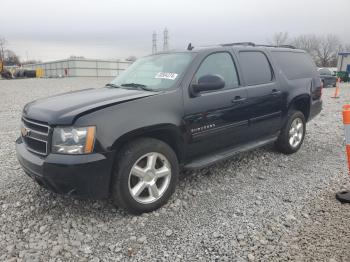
point(239, 43)
point(288, 46)
point(253, 44)
point(285, 46)
point(268, 45)
point(190, 46)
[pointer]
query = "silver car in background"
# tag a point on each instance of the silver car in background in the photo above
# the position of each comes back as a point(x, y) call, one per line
point(327, 77)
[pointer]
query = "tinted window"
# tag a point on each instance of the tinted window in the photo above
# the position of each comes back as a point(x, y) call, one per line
point(255, 67)
point(295, 65)
point(219, 64)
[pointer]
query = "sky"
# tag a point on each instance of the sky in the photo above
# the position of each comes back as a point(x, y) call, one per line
point(112, 29)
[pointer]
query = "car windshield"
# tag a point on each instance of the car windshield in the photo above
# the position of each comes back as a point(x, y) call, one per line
point(156, 72)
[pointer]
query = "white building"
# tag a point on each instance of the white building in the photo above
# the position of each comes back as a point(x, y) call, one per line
point(81, 67)
point(344, 61)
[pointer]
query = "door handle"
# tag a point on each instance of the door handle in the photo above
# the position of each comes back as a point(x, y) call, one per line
point(238, 99)
point(276, 92)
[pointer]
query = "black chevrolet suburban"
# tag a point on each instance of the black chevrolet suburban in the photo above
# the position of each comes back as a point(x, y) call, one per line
point(167, 112)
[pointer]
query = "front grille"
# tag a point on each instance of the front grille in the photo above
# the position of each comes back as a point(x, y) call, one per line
point(35, 135)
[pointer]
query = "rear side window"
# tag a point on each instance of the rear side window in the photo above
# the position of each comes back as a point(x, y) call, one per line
point(255, 67)
point(295, 65)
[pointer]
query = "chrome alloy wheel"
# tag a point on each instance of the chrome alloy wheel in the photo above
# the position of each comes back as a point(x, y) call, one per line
point(149, 178)
point(296, 132)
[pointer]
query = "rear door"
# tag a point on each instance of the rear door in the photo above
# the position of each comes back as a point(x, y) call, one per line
point(216, 119)
point(264, 93)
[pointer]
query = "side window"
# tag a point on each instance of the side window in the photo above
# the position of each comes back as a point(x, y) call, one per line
point(255, 67)
point(295, 65)
point(219, 64)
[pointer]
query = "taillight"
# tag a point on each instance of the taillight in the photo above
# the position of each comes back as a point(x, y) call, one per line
point(316, 89)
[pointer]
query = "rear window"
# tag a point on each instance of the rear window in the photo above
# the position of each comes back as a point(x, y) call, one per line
point(256, 68)
point(295, 65)
point(325, 71)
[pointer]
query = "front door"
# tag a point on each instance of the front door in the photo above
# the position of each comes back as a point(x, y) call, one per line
point(216, 119)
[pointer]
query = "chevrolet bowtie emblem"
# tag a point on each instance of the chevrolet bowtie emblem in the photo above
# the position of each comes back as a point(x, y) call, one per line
point(25, 131)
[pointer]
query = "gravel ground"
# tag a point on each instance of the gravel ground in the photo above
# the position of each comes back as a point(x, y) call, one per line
point(259, 206)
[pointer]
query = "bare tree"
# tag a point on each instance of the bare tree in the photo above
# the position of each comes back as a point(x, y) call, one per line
point(7, 56)
point(10, 58)
point(328, 50)
point(323, 49)
point(344, 48)
point(280, 38)
point(309, 43)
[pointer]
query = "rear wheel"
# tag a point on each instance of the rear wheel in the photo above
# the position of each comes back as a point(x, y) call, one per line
point(145, 175)
point(293, 133)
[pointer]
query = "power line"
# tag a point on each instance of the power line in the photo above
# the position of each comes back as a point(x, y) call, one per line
point(154, 42)
point(166, 40)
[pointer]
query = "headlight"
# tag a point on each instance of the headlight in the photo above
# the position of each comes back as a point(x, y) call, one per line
point(73, 140)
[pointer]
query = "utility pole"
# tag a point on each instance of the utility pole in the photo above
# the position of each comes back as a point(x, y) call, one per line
point(154, 42)
point(2, 54)
point(166, 40)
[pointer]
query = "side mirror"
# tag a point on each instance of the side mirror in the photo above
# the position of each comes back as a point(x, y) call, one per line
point(208, 83)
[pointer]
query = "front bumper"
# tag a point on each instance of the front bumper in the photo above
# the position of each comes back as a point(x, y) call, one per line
point(84, 176)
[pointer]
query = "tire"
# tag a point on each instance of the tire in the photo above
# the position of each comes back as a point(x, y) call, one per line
point(285, 142)
point(138, 156)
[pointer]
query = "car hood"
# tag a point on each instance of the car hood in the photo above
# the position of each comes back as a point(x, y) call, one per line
point(64, 109)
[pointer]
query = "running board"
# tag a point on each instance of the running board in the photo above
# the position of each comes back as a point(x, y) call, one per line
point(209, 160)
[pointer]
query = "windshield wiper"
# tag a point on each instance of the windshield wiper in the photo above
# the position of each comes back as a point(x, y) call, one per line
point(140, 86)
point(112, 85)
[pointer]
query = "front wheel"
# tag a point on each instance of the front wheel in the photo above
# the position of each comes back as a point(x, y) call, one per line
point(145, 175)
point(293, 133)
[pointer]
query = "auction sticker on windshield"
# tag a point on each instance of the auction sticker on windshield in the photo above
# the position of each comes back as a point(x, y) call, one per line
point(163, 75)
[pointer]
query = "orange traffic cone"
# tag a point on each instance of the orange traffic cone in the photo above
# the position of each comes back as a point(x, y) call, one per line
point(337, 89)
point(344, 196)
